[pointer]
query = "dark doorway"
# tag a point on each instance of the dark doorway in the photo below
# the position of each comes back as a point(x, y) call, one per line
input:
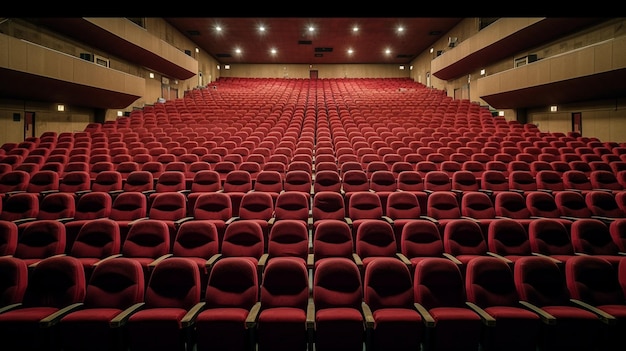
point(313, 74)
point(577, 122)
point(29, 124)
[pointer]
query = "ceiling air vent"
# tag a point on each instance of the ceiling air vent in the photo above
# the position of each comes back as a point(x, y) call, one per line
point(193, 33)
point(323, 49)
point(224, 55)
point(305, 42)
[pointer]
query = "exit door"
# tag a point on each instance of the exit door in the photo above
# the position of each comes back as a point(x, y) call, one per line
point(29, 124)
point(313, 74)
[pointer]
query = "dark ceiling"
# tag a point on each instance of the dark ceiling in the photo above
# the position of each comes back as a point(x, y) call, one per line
point(328, 44)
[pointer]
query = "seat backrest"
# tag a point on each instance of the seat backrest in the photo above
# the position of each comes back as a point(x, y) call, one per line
point(410, 181)
point(508, 237)
point(593, 280)
point(511, 204)
point(337, 283)
point(328, 205)
point(288, 238)
point(489, 282)
point(147, 238)
point(256, 205)
point(169, 206)
point(603, 203)
point(298, 180)
point(243, 238)
point(233, 282)
point(383, 180)
point(237, 181)
point(403, 204)
point(206, 181)
point(365, 205)
point(540, 281)
point(213, 206)
point(92, 205)
point(443, 205)
point(332, 239)
point(327, 181)
point(375, 238)
point(174, 283)
point(465, 181)
point(285, 284)
point(522, 180)
point(572, 204)
point(99, 238)
point(42, 181)
point(118, 283)
point(20, 205)
point(574, 179)
point(464, 237)
point(494, 180)
point(387, 283)
point(542, 204)
point(196, 239)
point(549, 180)
point(57, 282)
point(438, 282)
point(355, 180)
point(292, 205)
point(269, 181)
point(107, 181)
point(14, 279)
point(437, 181)
point(75, 181)
point(478, 205)
point(549, 237)
point(129, 205)
point(170, 181)
point(57, 206)
point(8, 237)
point(592, 236)
point(139, 181)
point(421, 239)
point(603, 179)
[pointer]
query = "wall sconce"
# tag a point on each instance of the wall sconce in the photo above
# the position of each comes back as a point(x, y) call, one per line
point(60, 107)
point(197, 50)
point(432, 50)
point(553, 108)
point(401, 67)
point(501, 113)
point(120, 113)
point(151, 75)
point(482, 72)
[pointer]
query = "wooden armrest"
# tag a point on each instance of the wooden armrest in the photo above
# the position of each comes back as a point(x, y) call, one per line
point(253, 315)
point(56, 316)
point(367, 314)
point(190, 317)
point(122, 318)
point(487, 319)
point(546, 317)
point(606, 318)
point(310, 314)
point(429, 321)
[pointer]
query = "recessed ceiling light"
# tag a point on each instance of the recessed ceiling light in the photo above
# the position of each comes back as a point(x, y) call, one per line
point(355, 29)
point(218, 28)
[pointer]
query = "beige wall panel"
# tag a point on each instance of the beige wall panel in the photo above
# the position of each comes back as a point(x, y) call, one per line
point(11, 131)
point(603, 57)
point(617, 127)
point(4, 51)
point(619, 52)
point(537, 73)
point(18, 51)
